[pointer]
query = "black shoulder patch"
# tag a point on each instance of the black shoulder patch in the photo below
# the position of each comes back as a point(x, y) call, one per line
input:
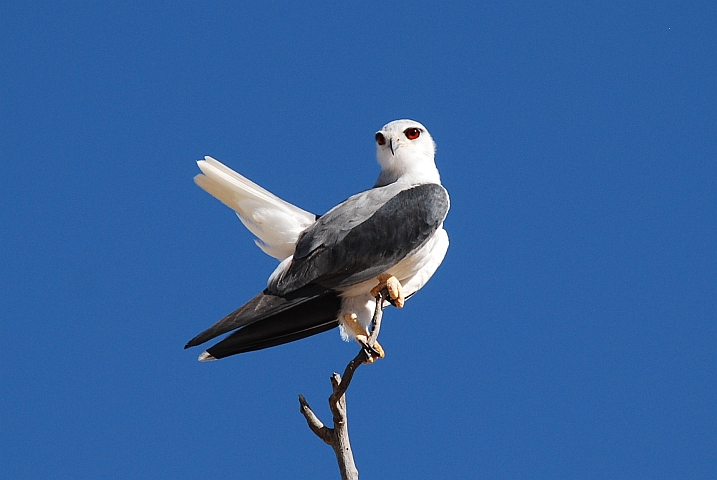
point(398, 228)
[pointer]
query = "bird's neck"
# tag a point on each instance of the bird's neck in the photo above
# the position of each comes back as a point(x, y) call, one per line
point(411, 169)
point(410, 176)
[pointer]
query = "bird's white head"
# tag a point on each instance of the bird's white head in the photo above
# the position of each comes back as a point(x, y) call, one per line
point(406, 152)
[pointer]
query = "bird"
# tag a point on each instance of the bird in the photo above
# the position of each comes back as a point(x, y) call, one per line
point(331, 266)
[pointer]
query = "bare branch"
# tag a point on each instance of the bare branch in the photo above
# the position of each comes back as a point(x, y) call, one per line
point(338, 437)
point(322, 431)
point(341, 384)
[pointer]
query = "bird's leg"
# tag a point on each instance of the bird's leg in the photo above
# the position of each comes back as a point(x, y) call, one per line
point(394, 287)
point(362, 335)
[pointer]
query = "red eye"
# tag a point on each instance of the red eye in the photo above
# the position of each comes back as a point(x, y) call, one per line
point(380, 139)
point(412, 133)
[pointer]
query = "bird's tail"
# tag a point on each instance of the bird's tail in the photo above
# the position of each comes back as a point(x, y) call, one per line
point(275, 222)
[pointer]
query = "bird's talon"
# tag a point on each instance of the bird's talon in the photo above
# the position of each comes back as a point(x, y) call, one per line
point(378, 349)
point(393, 287)
point(372, 353)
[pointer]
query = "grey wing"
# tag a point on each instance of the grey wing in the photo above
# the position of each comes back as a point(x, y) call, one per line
point(335, 255)
point(335, 224)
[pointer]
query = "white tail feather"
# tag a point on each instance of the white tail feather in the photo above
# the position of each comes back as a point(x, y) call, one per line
point(206, 357)
point(275, 222)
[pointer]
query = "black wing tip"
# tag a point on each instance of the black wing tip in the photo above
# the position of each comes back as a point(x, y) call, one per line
point(198, 340)
point(303, 320)
point(265, 304)
point(304, 316)
point(237, 343)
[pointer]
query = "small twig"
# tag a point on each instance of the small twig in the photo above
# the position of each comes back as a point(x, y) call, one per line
point(377, 315)
point(338, 437)
point(322, 431)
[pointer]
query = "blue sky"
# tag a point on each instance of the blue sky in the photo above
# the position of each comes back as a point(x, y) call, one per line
point(570, 333)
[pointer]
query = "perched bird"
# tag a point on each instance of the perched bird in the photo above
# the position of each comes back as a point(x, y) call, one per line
point(331, 266)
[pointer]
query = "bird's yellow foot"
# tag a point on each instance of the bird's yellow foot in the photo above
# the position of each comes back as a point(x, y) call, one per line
point(395, 290)
point(374, 353)
point(378, 349)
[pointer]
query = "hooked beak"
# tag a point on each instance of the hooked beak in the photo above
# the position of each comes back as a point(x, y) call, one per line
point(393, 144)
